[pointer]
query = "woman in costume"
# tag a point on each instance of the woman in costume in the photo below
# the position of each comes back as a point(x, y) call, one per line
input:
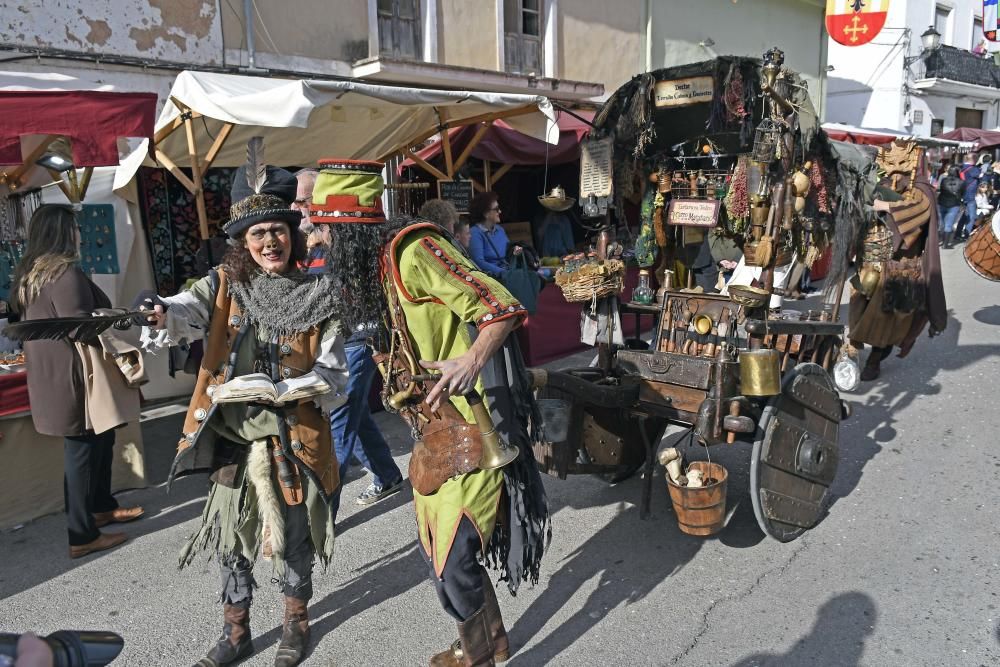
point(273, 471)
point(49, 283)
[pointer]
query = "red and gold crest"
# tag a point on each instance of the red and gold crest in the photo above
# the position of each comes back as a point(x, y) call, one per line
point(855, 22)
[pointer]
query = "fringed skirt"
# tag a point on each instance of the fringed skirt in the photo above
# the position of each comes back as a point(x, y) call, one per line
point(233, 522)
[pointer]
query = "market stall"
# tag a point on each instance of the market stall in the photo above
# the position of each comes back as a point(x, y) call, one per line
point(724, 149)
point(210, 117)
point(78, 125)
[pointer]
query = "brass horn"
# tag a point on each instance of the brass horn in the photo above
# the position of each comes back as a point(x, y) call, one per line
point(496, 452)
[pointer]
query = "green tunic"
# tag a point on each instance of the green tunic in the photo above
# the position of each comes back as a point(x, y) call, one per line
point(441, 293)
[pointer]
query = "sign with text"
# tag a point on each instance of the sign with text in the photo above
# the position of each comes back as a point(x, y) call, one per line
point(595, 168)
point(459, 193)
point(682, 92)
point(694, 212)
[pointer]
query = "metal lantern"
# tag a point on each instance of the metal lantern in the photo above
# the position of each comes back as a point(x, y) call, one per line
point(767, 139)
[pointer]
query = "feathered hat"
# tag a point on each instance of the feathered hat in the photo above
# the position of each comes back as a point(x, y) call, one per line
point(260, 192)
point(348, 191)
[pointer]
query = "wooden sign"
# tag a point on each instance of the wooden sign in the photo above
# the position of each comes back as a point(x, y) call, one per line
point(694, 212)
point(682, 92)
point(855, 22)
point(459, 193)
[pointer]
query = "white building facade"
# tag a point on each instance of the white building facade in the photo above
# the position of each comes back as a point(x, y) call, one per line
point(894, 83)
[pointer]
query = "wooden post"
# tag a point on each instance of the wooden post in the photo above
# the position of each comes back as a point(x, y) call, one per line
point(428, 167)
point(449, 166)
point(487, 180)
point(216, 146)
point(57, 177)
point(85, 182)
point(196, 174)
point(13, 179)
point(476, 138)
point(501, 172)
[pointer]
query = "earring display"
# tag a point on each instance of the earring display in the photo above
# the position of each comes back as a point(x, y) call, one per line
point(98, 247)
point(10, 255)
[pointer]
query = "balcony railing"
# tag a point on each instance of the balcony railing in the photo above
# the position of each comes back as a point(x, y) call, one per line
point(947, 62)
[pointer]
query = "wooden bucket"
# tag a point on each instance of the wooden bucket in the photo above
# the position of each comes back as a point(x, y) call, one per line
point(701, 510)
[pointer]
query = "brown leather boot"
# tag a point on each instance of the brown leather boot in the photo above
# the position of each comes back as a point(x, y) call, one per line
point(474, 647)
point(294, 633)
point(498, 633)
point(103, 541)
point(235, 643)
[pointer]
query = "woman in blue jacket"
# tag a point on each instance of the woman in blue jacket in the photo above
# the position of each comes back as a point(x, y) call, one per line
point(488, 246)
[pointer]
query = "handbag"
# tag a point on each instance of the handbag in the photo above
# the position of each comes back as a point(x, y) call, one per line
point(522, 282)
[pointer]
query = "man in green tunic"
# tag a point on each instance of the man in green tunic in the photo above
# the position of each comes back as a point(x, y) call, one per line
point(458, 322)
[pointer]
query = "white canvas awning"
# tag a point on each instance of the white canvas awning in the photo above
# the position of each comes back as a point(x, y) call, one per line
point(303, 120)
point(212, 116)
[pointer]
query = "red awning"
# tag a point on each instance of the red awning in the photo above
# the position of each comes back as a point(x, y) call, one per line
point(854, 135)
point(505, 145)
point(93, 121)
point(983, 138)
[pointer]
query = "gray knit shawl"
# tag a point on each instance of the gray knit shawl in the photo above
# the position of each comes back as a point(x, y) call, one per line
point(289, 303)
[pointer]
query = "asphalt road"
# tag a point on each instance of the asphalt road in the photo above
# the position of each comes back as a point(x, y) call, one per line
point(903, 571)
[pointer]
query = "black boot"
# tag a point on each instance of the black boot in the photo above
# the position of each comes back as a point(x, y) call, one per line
point(949, 240)
point(235, 643)
point(294, 633)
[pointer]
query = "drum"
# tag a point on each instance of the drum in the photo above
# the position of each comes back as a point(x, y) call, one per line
point(982, 250)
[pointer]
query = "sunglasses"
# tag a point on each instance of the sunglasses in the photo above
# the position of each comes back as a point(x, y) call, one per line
point(495, 207)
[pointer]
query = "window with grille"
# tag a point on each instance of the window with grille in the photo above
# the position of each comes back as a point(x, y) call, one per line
point(523, 36)
point(399, 29)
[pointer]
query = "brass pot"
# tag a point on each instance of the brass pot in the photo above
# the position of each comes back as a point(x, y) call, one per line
point(703, 324)
point(870, 278)
point(760, 372)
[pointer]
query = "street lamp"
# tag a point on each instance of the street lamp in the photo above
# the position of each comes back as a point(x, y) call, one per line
point(930, 41)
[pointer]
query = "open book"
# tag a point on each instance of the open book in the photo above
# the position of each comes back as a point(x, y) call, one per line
point(259, 387)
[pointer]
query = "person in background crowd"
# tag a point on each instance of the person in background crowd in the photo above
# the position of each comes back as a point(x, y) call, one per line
point(557, 235)
point(49, 283)
point(273, 471)
point(488, 245)
point(317, 236)
point(949, 200)
point(442, 213)
point(983, 206)
point(463, 234)
point(980, 49)
point(353, 259)
point(970, 174)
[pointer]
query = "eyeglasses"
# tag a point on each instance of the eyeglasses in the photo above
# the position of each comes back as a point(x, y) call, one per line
point(260, 234)
point(495, 207)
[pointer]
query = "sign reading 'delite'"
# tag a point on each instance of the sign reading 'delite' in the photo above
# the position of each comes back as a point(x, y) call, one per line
point(855, 22)
point(694, 212)
point(681, 92)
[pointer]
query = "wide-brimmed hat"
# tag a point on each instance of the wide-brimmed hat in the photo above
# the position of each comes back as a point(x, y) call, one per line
point(272, 201)
point(348, 191)
point(556, 200)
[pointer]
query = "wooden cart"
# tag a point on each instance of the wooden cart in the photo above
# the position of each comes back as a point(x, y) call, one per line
point(618, 418)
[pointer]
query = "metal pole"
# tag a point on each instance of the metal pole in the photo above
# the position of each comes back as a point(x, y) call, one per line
point(248, 18)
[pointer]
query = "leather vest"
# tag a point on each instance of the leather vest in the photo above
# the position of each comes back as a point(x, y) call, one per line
point(304, 432)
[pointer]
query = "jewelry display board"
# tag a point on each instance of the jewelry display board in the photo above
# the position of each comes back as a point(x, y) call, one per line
point(98, 247)
point(10, 255)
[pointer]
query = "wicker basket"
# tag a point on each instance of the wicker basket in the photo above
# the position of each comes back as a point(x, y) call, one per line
point(592, 281)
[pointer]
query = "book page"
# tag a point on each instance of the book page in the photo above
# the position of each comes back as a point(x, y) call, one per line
point(292, 389)
point(245, 388)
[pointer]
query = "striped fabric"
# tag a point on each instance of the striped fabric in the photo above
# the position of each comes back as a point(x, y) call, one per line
point(908, 218)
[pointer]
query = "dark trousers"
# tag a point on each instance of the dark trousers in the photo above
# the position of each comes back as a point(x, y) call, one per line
point(87, 483)
point(460, 587)
point(237, 573)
